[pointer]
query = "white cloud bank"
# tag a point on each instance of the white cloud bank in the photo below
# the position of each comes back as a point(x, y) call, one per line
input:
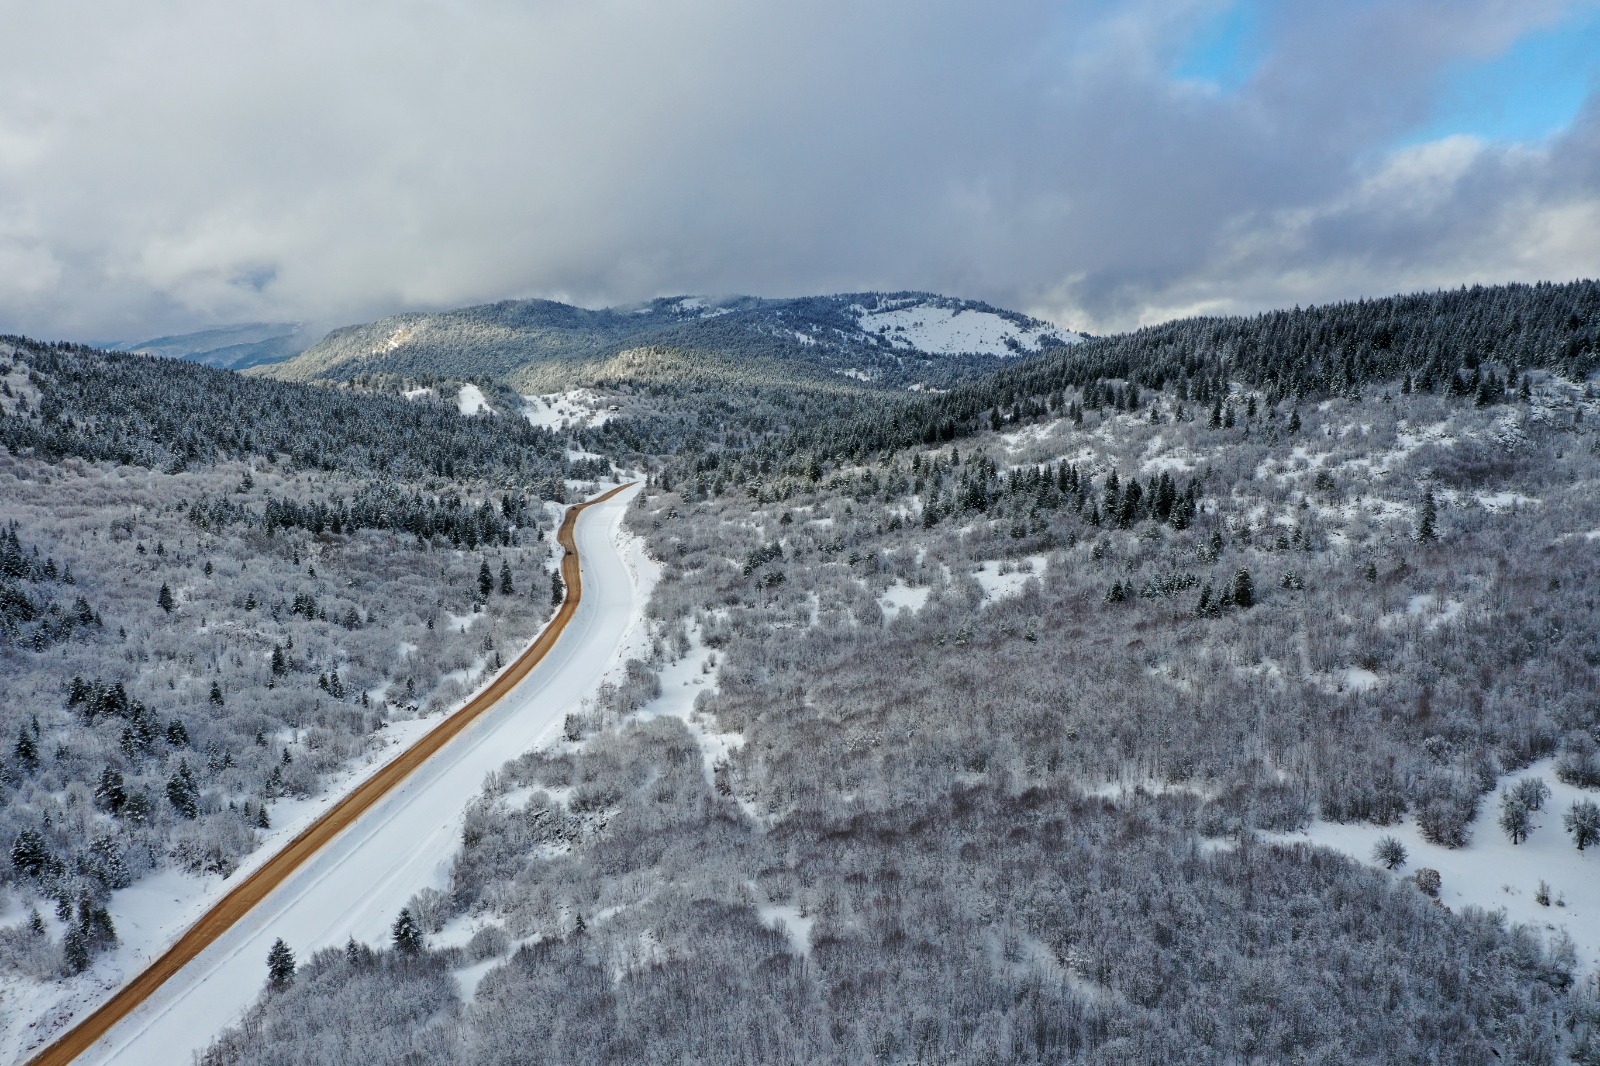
point(176, 163)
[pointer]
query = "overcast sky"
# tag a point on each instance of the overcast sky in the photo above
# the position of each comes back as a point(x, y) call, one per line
point(169, 165)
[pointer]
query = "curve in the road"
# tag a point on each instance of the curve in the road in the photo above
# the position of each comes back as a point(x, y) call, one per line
point(253, 889)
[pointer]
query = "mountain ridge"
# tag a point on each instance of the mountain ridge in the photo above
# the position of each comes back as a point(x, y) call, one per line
point(891, 340)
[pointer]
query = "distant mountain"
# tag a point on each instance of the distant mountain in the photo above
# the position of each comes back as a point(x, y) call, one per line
point(234, 347)
point(893, 340)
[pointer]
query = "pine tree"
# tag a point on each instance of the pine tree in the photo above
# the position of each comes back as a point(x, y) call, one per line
point(75, 950)
point(216, 694)
point(485, 579)
point(506, 587)
point(182, 791)
point(1244, 590)
point(558, 590)
point(280, 664)
point(407, 934)
point(110, 793)
point(164, 598)
point(29, 853)
point(280, 966)
point(1427, 523)
point(26, 751)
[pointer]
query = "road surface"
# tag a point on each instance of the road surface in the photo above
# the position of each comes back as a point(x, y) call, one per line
point(410, 814)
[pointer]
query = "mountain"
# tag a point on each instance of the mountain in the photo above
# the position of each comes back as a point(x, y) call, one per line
point(894, 340)
point(235, 347)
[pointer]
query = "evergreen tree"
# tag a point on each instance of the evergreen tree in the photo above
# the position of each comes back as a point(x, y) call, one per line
point(164, 598)
point(26, 751)
point(407, 934)
point(506, 587)
point(75, 950)
point(1244, 590)
point(280, 966)
point(1583, 822)
point(485, 580)
point(1427, 522)
point(280, 664)
point(558, 590)
point(29, 853)
point(182, 791)
point(216, 694)
point(110, 793)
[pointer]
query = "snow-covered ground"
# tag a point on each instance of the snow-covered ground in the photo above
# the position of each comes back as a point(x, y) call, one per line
point(945, 331)
point(1491, 872)
point(903, 597)
point(405, 844)
point(568, 410)
point(151, 913)
point(1006, 578)
point(470, 400)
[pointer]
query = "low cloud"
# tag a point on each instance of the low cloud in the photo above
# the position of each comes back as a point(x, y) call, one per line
point(179, 164)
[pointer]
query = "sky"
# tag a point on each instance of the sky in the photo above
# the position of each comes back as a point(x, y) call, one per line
point(177, 164)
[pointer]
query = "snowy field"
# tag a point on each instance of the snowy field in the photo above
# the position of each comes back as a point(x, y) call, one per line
point(1491, 872)
point(403, 845)
point(949, 332)
point(577, 408)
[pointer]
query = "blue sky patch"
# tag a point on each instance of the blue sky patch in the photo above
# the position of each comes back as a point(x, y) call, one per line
point(1527, 93)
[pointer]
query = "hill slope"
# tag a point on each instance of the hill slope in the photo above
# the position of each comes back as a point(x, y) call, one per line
point(235, 347)
point(895, 340)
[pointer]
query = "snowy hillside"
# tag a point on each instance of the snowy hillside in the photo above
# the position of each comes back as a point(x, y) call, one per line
point(941, 330)
point(877, 340)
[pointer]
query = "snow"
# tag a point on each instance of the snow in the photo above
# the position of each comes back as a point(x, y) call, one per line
point(574, 409)
point(1505, 501)
point(945, 331)
point(900, 597)
point(1009, 577)
point(404, 844)
point(1491, 872)
point(470, 400)
point(691, 304)
point(787, 918)
point(395, 339)
point(1358, 679)
point(417, 394)
point(1436, 612)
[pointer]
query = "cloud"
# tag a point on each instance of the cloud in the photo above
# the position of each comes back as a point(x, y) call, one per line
point(176, 164)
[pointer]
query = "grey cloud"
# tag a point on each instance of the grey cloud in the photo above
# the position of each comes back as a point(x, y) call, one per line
point(180, 164)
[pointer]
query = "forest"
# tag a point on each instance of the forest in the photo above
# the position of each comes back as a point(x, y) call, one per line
point(973, 725)
point(218, 596)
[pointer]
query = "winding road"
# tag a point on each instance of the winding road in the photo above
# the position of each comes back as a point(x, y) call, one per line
point(391, 836)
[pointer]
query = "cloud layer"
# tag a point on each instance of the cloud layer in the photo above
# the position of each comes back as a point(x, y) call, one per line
point(175, 164)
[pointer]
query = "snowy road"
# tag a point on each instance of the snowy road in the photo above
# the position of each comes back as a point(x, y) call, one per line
point(357, 885)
